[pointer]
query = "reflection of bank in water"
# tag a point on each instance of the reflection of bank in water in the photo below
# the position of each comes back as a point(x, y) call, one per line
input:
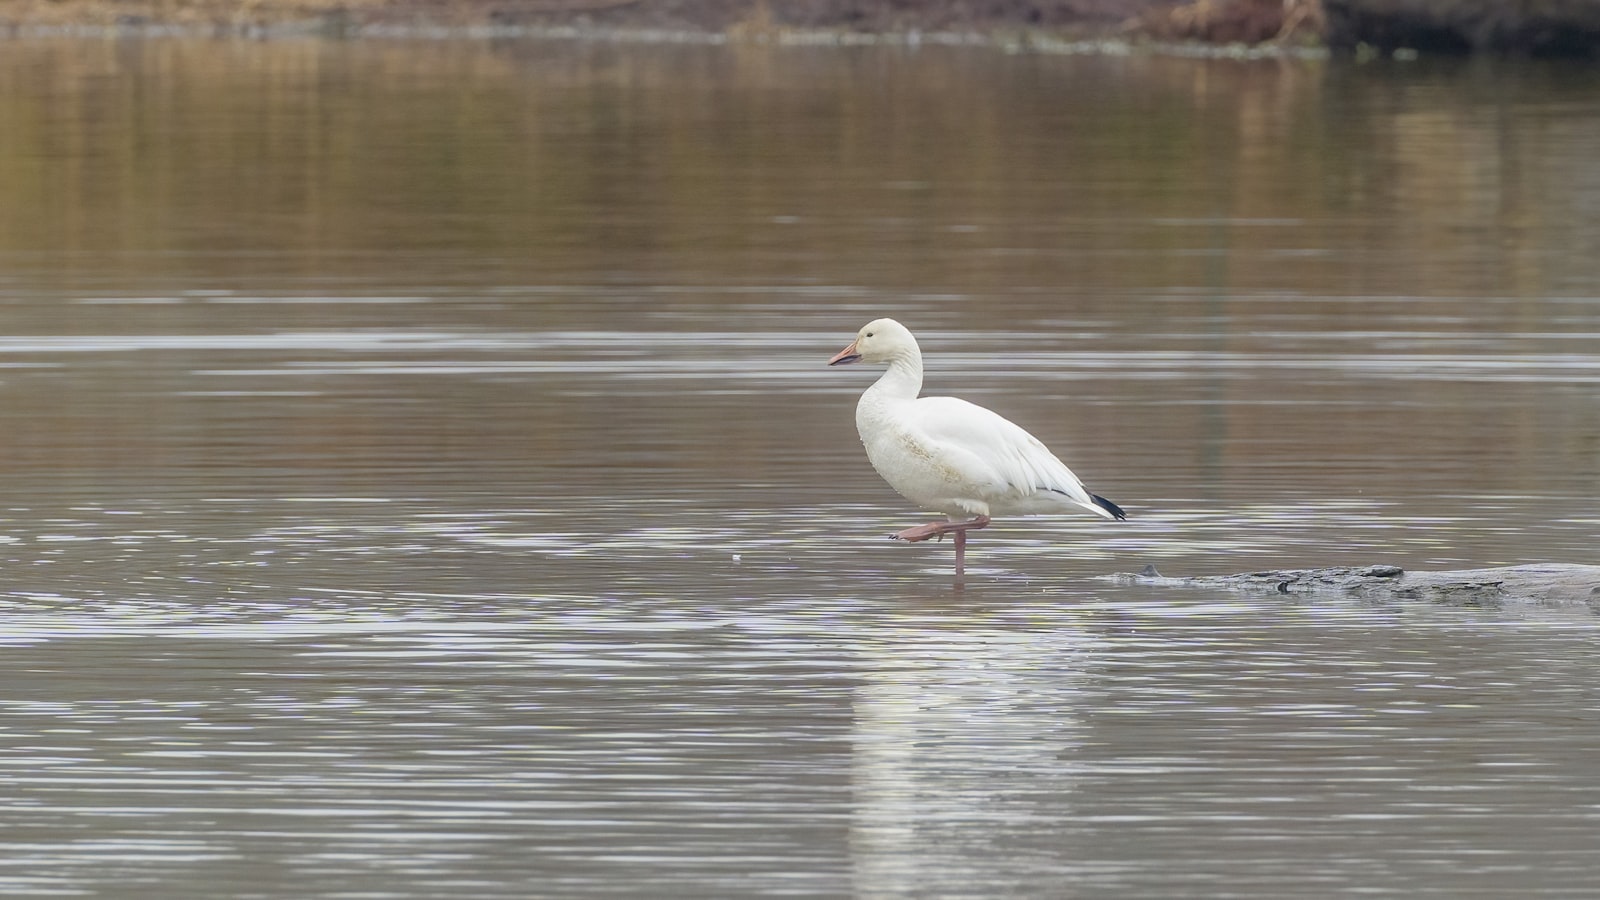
point(959, 765)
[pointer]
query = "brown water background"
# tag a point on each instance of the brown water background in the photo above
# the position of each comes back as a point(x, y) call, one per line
point(421, 477)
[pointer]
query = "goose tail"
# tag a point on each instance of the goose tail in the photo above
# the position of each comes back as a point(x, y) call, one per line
point(1112, 509)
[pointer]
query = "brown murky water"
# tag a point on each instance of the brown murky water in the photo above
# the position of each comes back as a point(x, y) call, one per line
point(421, 477)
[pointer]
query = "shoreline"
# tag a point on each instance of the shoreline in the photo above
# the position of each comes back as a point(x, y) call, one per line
point(1218, 29)
point(1009, 41)
point(1235, 29)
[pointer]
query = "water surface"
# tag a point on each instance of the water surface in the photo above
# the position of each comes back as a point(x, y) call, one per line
point(423, 478)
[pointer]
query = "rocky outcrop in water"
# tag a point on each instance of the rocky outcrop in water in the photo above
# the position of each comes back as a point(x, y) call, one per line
point(1531, 27)
point(1548, 584)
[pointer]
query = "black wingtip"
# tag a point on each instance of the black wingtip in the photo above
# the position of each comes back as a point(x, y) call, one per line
point(1108, 506)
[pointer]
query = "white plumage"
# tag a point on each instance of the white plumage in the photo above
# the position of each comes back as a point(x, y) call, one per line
point(953, 456)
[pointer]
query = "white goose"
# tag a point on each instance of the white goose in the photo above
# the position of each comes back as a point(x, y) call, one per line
point(953, 456)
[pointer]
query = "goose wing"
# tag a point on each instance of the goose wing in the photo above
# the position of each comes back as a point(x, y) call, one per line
point(998, 458)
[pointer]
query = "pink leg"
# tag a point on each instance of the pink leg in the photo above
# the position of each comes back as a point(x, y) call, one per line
point(940, 529)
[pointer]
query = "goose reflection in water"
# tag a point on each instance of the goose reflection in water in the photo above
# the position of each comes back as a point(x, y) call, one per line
point(960, 742)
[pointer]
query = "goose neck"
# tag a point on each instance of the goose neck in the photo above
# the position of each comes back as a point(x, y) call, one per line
point(902, 381)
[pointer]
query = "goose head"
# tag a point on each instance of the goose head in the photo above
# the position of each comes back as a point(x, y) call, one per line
point(879, 341)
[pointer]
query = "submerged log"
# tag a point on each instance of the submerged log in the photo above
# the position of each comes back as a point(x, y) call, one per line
point(1546, 584)
point(1535, 27)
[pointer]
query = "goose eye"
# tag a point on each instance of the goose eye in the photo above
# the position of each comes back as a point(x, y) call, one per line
point(869, 334)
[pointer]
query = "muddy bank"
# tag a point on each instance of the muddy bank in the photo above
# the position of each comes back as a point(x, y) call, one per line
point(1549, 584)
point(1205, 21)
point(1363, 27)
point(707, 16)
